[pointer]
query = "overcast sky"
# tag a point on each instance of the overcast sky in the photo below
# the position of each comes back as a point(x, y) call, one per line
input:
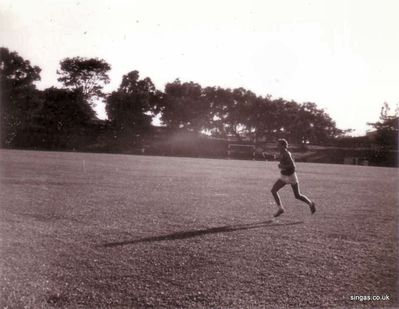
point(341, 55)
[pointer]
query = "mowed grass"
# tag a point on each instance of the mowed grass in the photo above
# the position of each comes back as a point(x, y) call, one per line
point(118, 231)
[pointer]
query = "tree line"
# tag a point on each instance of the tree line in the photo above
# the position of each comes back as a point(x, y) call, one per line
point(63, 118)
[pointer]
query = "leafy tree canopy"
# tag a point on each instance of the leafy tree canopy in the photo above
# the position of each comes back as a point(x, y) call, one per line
point(130, 107)
point(18, 95)
point(15, 72)
point(184, 106)
point(87, 74)
point(64, 109)
point(386, 129)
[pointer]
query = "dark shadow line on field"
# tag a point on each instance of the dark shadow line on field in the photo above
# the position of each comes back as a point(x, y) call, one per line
point(45, 217)
point(197, 233)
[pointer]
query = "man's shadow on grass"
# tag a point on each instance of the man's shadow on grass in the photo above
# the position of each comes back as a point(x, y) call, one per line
point(197, 233)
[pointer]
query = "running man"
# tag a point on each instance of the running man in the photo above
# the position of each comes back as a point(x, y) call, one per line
point(288, 176)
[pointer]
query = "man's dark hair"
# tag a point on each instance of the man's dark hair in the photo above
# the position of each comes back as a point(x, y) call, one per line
point(283, 142)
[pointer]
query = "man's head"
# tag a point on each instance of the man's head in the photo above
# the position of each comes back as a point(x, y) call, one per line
point(282, 143)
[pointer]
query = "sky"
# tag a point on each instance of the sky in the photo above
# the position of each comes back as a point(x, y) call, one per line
point(342, 55)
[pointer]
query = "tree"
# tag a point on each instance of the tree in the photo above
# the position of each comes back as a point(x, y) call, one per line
point(304, 123)
point(386, 129)
point(62, 117)
point(313, 125)
point(88, 75)
point(184, 107)
point(218, 100)
point(65, 109)
point(131, 107)
point(18, 95)
point(239, 110)
point(264, 118)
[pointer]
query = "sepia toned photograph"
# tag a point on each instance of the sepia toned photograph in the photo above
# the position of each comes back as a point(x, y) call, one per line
point(184, 154)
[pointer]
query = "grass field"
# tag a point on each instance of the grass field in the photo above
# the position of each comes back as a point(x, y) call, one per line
point(117, 231)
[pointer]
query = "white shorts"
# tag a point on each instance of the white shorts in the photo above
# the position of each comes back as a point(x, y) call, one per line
point(289, 180)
